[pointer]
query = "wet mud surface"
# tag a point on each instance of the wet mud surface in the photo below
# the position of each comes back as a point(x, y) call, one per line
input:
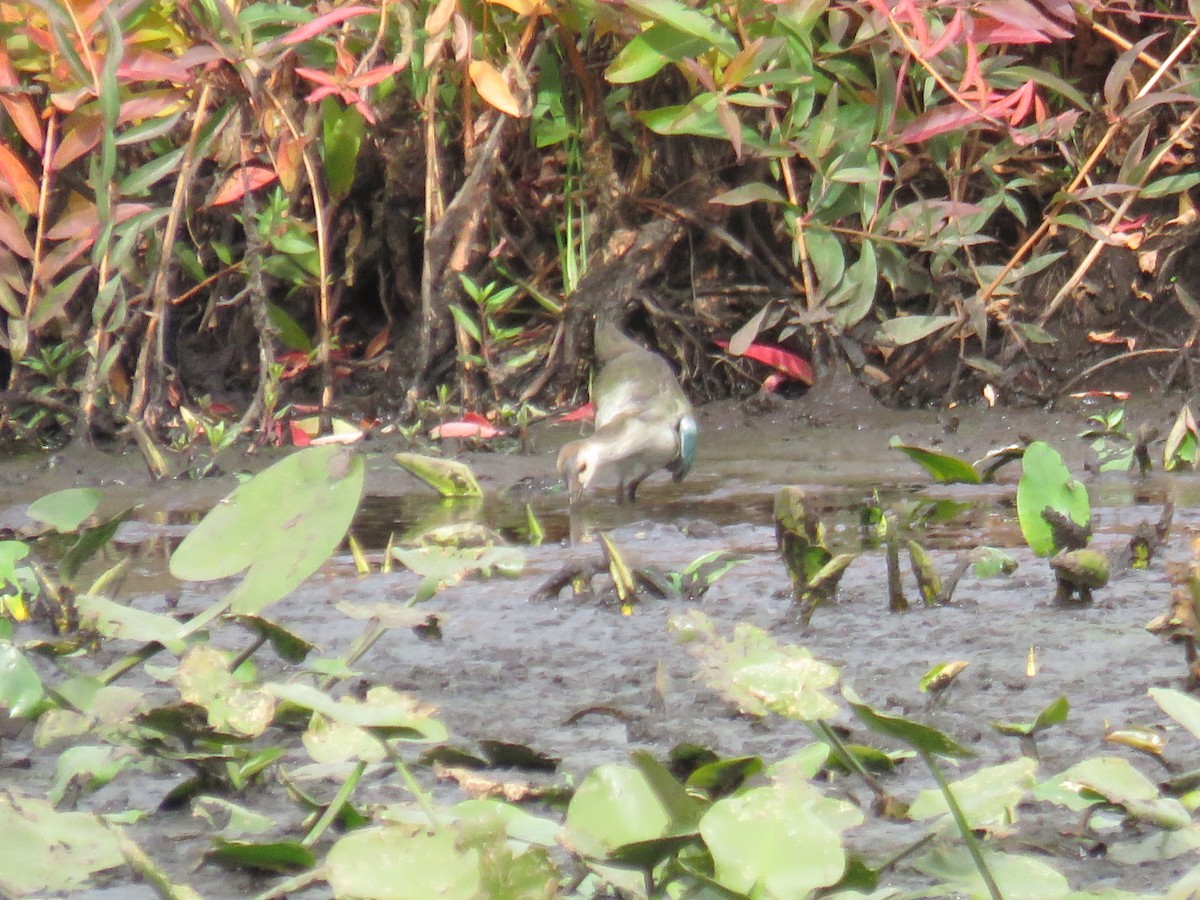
point(579, 680)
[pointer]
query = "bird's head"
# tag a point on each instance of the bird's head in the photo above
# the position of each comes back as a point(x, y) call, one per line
point(577, 464)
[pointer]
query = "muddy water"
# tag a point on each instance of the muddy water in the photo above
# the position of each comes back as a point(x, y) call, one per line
point(578, 680)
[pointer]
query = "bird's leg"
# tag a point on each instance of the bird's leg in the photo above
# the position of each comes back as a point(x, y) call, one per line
point(625, 493)
point(633, 486)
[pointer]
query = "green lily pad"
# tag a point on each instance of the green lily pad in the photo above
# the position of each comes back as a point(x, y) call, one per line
point(21, 689)
point(988, 798)
point(390, 714)
point(203, 678)
point(45, 851)
point(760, 675)
point(278, 527)
point(614, 806)
point(65, 510)
point(1046, 482)
point(400, 863)
point(783, 840)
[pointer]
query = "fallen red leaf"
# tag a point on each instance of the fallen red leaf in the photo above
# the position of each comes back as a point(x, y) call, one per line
point(790, 364)
point(471, 425)
point(585, 413)
point(300, 437)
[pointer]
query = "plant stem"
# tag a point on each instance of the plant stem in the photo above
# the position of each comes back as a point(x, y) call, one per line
point(335, 806)
point(964, 827)
point(418, 792)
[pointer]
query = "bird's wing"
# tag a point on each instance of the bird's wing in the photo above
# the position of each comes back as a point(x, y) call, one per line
point(639, 383)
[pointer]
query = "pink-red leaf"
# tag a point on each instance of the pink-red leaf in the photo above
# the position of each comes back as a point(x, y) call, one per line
point(13, 236)
point(311, 29)
point(246, 178)
point(471, 425)
point(939, 120)
point(783, 361)
point(82, 133)
point(585, 413)
point(18, 106)
point(16, 181)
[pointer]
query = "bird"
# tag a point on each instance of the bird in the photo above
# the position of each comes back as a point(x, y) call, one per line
point(644, 421)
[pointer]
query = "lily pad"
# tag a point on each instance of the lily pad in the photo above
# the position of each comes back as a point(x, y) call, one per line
point(1046, 482)
point(65, 510)
point(278, 527)
point(45, 851)
point(399, 863)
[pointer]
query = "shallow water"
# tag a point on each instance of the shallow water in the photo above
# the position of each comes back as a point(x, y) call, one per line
point(577, 679)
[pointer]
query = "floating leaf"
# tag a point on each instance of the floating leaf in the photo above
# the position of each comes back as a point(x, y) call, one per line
point(941, 676)
point(761, 676)
point(614, 806)
point(945, 468)
point(987, 798)
point(391, 714)
point(402, 863)
point(45, 851)
point(448, 477)
point(1018, 877)
point(279, 526)
point(783, 840)
point(279, 857)
point(203, 678)
point(65, 510)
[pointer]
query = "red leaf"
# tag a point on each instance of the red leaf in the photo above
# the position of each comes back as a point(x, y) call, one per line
point(784, 361)
point(317, 76)
point(84, 134)
point(466, 427)
point(300, 437)
point(319, 24)
point(19, 107)
point(16, 180)
point(147, 65)
point(241, 180)
point(373, 76)
point(585, 413)
point(939, 120)
point(13, 236)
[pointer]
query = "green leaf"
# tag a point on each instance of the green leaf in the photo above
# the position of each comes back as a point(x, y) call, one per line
point(646, 54)
point(754, 192)
point(1018, 877)
point(65, 510)
point(45, 851)
point(20, 686)
point(783, 840)
point(203, 678)
point(1046, 482)
point(1179, 706)
point(910, 329)
point(279, 526)
point(448, 477)
point(401, 863)
point(116, 620)
point(918, 736)
point(687, 20)
point(945, 468)
point(987, 562)
point(291, 335)
point(344, 128)
point(390, 714)
point(279, 857)
point(988, 798)
point(761, 676)
point(614, 806)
